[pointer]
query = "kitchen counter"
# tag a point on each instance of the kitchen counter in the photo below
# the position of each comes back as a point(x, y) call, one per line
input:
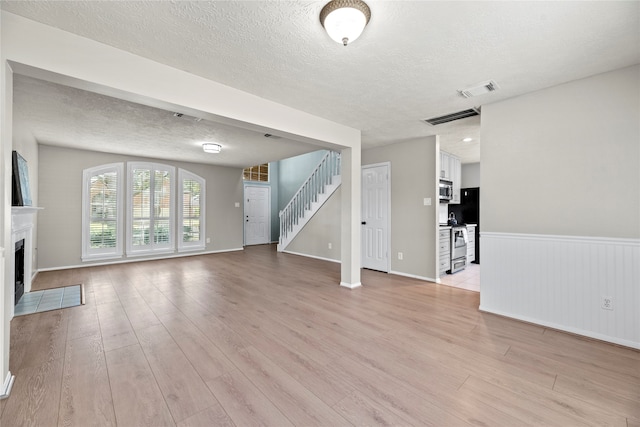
point(445, 227)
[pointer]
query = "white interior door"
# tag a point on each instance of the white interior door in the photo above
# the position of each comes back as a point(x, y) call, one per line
point(375, 217)
point(257, 218)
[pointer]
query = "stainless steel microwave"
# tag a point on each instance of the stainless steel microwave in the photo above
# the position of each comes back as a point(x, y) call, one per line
point(446, 190)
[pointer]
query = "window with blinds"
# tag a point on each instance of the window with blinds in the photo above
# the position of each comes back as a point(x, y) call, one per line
point(151, 208)
point(256, 173)
point(191, 211)
point(102, 206)
point(153, 197)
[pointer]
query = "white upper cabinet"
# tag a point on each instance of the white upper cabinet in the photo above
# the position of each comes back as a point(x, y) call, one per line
point(451, 169)
point(456, 177)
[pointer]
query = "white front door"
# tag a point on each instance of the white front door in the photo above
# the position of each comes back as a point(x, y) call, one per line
point(257, 218)
point(375, 217)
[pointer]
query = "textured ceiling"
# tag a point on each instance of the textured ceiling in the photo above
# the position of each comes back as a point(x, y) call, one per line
point(68, 117)
point(407, 65)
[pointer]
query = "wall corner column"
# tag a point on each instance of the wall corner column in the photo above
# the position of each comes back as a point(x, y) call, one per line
point(6, 249)
point(351, 214)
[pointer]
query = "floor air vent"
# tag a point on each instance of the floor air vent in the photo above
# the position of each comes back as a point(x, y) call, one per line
point(453, 116)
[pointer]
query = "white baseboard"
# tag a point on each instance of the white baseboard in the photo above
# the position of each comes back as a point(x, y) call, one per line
point(350, 285)
point(6, 387)
point(589, 334)
point(413, 276)
point(312, 256)
point(129, 260)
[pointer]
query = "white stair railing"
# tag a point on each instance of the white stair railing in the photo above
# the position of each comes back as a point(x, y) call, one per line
point(311, 195)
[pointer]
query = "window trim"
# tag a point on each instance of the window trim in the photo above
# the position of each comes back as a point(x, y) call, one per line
point(89, 254)
point(152, 248)
point(200, 244)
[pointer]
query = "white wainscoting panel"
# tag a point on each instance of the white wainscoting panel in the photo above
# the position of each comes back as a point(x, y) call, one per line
point(560, 282)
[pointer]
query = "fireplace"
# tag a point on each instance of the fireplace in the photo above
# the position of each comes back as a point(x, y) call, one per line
point(19, 271)
point(22, 224)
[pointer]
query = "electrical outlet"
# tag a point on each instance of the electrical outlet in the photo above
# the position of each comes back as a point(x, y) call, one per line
point(330, 245)
point(400, 256)
point(208, 239)
point(607, 303)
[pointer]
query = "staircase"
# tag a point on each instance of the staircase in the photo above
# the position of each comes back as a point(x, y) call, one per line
point(316, 190)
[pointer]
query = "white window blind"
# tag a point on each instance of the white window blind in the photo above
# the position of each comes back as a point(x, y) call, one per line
point(162, 214)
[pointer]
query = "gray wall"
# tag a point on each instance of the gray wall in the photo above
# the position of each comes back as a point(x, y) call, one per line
point(293, 172)
point(25, 143)
point(60, 194)
point(470, 175)
point(323, 228)
point(274, 168)
point(560, 207)
point(414, 226)
point(565, 160)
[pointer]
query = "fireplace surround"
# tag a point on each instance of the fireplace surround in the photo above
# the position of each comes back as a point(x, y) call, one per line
point(22, 224)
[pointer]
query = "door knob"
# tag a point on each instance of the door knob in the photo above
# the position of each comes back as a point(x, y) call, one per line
point(364, 222)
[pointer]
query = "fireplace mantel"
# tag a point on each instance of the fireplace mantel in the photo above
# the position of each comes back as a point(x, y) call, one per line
point(15, 210)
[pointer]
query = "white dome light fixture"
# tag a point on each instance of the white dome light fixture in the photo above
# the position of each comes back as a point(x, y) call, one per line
point(211, 148)
point(344, 20)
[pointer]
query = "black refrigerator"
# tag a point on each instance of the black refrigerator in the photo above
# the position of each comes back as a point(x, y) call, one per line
point(468, 212)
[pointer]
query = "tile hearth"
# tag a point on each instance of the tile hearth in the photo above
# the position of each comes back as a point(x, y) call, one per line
point(49, 299)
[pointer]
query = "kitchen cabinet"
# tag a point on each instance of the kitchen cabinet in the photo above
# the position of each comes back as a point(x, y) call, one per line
point(451, 169)
point(471, 244)
point(456, 173)
point(445, 166)
point(444, 243)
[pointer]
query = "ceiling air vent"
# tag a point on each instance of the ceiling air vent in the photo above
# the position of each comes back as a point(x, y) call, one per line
point(453, 116)
point(184, 116)
point(479, 89)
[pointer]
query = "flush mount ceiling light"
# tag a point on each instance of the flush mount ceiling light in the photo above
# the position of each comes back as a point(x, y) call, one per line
point(467, 139)
point(344, 20)
point(211, 148)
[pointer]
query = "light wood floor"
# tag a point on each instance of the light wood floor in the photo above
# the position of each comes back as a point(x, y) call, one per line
point(262, 338)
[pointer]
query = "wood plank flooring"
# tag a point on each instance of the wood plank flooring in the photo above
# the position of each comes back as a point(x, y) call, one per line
point(263, 338)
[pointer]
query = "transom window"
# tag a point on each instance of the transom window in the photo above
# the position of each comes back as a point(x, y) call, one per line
point(256, 173)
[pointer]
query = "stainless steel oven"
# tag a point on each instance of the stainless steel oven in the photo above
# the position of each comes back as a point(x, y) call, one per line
point(459, 240)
